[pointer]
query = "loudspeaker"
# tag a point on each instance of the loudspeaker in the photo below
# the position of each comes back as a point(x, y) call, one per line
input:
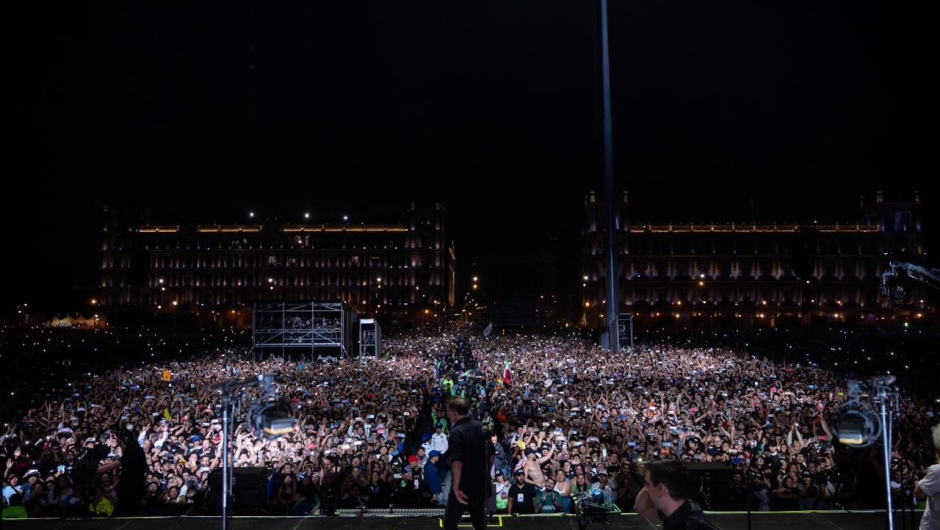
point(249, 491)
point(242, 503)
point(248, 478)
point(710, 485)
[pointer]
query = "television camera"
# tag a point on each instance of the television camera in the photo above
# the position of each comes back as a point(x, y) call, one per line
point(861, 424)
point(268, 417)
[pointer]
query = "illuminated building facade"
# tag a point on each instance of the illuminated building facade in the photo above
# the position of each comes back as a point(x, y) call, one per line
point(757, 275)
point(400, 271)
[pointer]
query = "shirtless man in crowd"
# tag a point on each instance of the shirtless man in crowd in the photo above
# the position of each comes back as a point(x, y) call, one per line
point(533, 466)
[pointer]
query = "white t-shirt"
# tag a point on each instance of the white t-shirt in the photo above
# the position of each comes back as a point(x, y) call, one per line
point(930, 485)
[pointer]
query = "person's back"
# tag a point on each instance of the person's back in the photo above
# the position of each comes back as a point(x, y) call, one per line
point(475, 477)
point(499, 461)
point(471, 457)
point(15, 510)
point(131, 487)
point(432, 477)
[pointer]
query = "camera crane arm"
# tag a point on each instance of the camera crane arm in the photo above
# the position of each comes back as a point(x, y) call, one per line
point(930, 277)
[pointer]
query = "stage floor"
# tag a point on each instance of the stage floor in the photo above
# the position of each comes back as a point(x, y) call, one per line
point(422, 520)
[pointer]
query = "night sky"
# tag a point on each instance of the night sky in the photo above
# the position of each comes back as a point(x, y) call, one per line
point(204, 111)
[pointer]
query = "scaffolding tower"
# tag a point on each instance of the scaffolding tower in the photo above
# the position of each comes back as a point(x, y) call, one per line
point(320, 328)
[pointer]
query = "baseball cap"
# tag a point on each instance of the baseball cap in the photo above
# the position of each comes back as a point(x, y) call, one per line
point(519, 472)
point(412, 458)
point(433, 453)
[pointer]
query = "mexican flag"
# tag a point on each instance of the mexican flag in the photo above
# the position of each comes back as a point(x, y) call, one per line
point(507, 374)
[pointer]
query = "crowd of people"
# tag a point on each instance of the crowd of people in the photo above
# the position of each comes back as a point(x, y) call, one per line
point(566, 418)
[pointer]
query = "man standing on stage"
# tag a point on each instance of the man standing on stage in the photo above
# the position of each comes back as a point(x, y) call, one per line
point(132, 482)
point(471, 455)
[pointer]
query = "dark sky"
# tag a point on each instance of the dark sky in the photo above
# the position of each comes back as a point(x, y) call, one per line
point(722, 111)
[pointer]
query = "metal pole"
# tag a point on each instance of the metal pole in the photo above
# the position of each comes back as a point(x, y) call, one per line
point(228, 414)
point(631, 331)
point(613, 296)
point(887, 437)
point(226, 402)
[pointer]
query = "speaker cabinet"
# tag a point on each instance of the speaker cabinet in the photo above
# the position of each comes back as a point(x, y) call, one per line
point(249, 491)
point(248, 478)
point(710, 485)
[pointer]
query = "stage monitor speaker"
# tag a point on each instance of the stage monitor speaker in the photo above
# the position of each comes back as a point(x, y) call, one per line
point(249, 491)
point(710, 485)
point(243, 503)
point(243, 478)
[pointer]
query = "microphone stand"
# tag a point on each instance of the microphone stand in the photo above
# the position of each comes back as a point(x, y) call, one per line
point(227, 388)
point(908, 496)
point(901, 491)
point(887, 398)
point(228, 406)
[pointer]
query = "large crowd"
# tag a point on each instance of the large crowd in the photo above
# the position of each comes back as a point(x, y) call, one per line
point(567, 416)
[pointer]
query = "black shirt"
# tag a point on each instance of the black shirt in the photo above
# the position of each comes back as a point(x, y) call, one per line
point(522, 497)
point(688, 516)
point(470, 444)
point(132, 482)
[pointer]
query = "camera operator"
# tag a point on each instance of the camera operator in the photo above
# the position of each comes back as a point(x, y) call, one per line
point(132, 482)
